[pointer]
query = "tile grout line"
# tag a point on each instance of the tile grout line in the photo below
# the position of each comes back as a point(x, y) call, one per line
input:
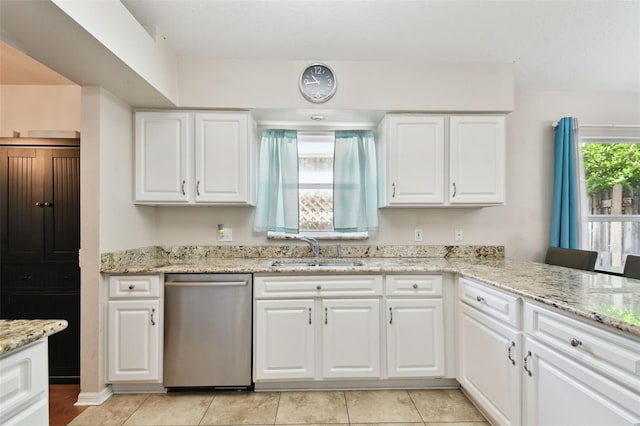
point(207, 409)
point(134, 411)
point(275, 418)
point(416, 407)
point(346, 406)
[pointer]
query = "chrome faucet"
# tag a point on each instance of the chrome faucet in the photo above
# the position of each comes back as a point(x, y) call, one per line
point(313, 243)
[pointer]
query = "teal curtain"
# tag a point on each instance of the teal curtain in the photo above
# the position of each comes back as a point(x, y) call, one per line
point(277, 204)
point(564, 220)
point(355, 196)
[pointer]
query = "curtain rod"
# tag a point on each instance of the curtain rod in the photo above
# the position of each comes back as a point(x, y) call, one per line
point(611, 126)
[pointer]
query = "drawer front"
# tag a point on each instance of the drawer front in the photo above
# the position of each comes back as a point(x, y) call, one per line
point(36, 278)
point(499, 305)
point(581, 340)
point(278, 286)
point(134, 286)
point(24, 377)
point(413, 285)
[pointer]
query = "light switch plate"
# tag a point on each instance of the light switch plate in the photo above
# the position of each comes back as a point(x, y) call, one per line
point(418, 235)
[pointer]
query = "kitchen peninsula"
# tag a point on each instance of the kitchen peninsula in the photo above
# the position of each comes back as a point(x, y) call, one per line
point(24, 394)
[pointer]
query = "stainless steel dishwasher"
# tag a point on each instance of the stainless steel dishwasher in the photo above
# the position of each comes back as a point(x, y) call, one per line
point(207, 333)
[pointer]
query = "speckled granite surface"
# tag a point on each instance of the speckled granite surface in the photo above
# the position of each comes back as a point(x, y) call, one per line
point(15, 334)
point(610, 300)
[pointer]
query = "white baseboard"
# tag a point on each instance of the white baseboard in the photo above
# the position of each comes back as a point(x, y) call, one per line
point(94, 398)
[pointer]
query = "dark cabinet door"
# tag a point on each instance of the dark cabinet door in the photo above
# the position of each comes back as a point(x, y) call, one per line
point(22, 195)
point(62, 204)
point(40, 193)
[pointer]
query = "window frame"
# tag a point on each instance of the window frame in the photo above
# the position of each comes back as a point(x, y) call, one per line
point(586, 216)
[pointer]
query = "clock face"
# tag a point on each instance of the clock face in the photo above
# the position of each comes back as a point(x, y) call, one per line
point(318, 83)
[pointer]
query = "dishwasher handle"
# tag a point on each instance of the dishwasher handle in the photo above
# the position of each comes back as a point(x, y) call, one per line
point(205, 283)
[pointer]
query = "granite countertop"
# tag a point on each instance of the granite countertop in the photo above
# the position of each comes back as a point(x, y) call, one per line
point(607, 299)
point(15, 334)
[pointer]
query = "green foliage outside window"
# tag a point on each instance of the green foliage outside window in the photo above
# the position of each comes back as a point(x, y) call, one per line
point(606, 165)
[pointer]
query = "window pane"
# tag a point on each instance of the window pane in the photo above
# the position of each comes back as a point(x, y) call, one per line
point(316, 209)
point(613, 240)
point(612, 176)
point(315, 170)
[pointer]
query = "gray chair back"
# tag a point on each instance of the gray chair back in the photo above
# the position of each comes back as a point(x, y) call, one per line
point(571, 258)
point(632, 266)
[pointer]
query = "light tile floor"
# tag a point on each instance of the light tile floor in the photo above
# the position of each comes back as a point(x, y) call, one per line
point(400, 407)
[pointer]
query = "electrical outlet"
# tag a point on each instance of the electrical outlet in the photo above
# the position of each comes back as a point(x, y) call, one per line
point(418, 235)
point(227, 235)
point(458, 234)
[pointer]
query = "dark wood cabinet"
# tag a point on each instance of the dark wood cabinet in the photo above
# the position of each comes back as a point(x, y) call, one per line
point(40, 237)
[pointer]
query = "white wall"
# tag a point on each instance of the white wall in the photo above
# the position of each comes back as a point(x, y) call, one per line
point(24, 108)
point(123, 225)
point(522, 225)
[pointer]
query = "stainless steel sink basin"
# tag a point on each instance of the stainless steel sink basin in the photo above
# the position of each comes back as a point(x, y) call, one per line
point(312, 263)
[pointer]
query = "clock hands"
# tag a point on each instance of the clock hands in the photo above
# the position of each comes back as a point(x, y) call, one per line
point(315, 81)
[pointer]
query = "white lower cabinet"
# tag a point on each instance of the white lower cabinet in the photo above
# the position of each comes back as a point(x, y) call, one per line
point(24, 379)
point(415, 338)
point(490, 361)
point(561, 391)
point(351, 338)
point(285, 336)
point(135, 329)
point(552, 370)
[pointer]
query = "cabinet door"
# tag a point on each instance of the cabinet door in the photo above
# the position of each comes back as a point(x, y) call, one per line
point(163, 157)
point(561, 391)
point(415, 161)
point(21, 187)
point(134, 351)
point(284, 339)
point(489, 364)
point(415, 338)
point(477, 160)
point(222, 152)
point(62, 204)
point(351, 338)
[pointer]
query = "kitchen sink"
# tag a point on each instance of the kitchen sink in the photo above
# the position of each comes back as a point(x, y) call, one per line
point(315, 263)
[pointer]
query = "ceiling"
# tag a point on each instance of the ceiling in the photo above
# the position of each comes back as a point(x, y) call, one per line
point(555, 45)
point(588, 46)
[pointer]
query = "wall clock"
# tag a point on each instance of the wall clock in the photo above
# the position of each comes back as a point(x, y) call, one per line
point(317, 83)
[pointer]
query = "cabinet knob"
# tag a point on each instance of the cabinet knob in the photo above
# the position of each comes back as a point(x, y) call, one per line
point(131, 287)
point(415, 286)
point(575, 342)
point(48, 204)
point(318, 287)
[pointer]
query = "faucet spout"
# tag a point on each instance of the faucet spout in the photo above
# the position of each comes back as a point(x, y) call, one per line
point(313, 243)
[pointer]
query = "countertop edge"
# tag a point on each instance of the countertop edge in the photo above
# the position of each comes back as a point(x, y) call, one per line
point(15, 334)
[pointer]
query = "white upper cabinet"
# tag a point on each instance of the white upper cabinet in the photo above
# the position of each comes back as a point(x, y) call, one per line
point(224, 158)
point(420, 156)
point(476, 159)
point(162, 156)
point(411, 160)
point(195, 157)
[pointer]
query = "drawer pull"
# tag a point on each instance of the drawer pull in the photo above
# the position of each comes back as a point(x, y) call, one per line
point(318, 287)
point(132, 286)
point(325, 316)
point(390, 315)
point(575, 342)
point(526, 367)
point(184, 182)
point(309, 316)
point(415, 286)
point(153, 311)
point(511, 346)
point(480, 299)
point(26, 277)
